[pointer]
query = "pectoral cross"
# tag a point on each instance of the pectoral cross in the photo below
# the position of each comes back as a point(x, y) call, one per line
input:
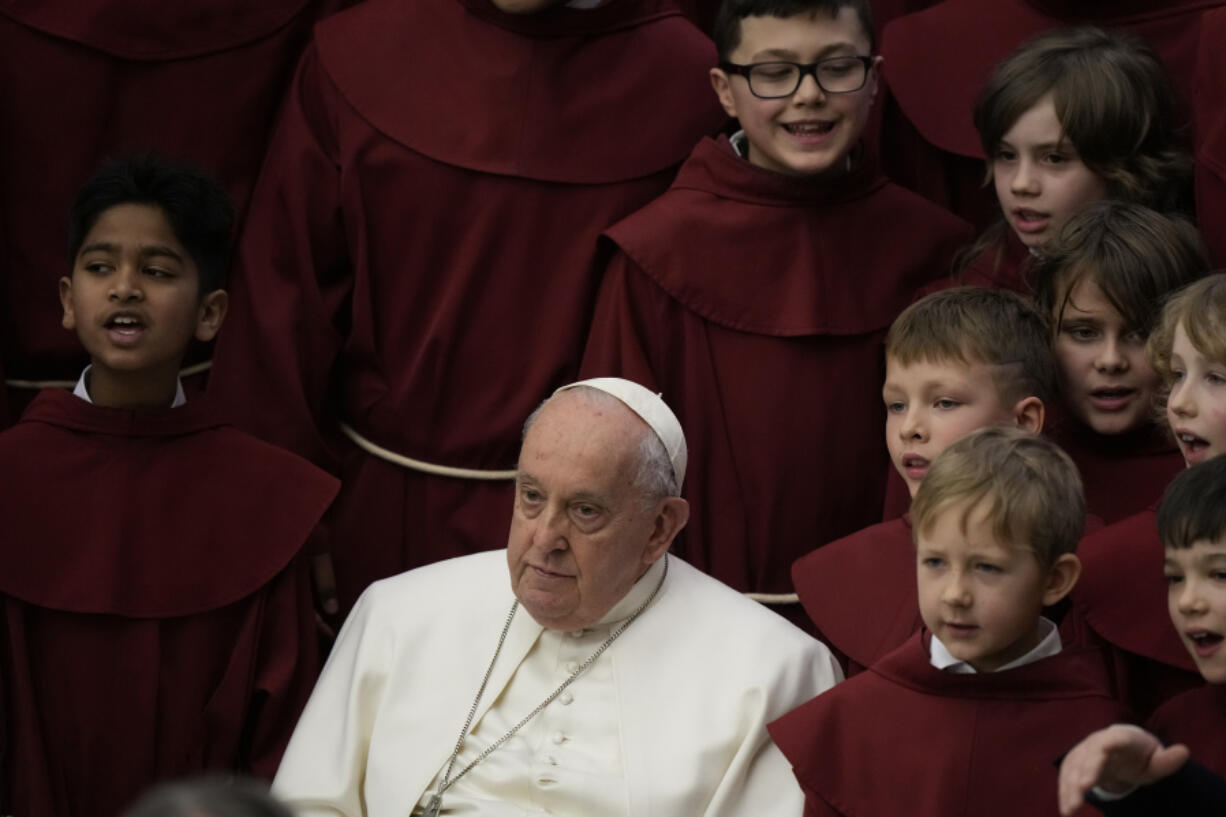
point(436, 802)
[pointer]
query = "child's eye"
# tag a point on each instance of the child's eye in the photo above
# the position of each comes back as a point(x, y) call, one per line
point(1081, 333)
point(895, 406)
point(1176, 375)
point(158, 272)
point(1005, 155)
point(1055, 158)
point(988, 567)
point(946, 403)
point(932, 562)
point(1173, 579)
point(97, 267)
point(1218, 575)
point(1215, 379)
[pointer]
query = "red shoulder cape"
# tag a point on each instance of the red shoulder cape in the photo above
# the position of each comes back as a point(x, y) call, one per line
point(796, 284)
point(1197, 718)
point(147, 514)
point(938, 59)
point(860, 591)
point(948, 743)
point(512, 95)
point(153, 30)
point(1122, 594)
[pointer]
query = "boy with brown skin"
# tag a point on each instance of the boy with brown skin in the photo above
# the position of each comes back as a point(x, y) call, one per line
point(163, 624)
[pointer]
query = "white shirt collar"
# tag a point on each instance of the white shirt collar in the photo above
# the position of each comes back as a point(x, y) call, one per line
point(82, 391)
point(1049, 645)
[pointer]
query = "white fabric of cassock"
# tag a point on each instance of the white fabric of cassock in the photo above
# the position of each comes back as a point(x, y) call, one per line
point(697, 677)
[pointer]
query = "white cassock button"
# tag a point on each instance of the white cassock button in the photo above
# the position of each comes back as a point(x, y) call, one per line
point(558, 738)
point(577, 633)
point(572, 667)
point(566, 699)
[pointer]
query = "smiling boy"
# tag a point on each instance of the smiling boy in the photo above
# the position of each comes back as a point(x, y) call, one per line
point(162, 626)
point(1133, 768)
point(756, 281)
point(969, 715)
point(956, 361)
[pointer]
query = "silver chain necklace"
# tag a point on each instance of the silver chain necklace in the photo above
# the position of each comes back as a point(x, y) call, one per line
point(436, 799)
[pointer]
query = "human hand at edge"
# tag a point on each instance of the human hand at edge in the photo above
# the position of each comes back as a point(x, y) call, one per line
point(1116, 759)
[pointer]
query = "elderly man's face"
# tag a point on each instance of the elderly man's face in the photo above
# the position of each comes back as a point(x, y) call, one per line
point(580, 534)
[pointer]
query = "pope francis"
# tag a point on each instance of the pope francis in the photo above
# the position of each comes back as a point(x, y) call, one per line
point(605, 678)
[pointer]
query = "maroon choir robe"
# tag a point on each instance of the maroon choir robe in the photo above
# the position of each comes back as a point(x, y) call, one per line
point(85, 80)
point(421, 257)
point(1196, 718)
point(757, 303)
point(157, 616)
point(1122, 597)
point(937, 60)
point(907, 738)
point(860, 593)
point(1210, 116)
point(1120, 473)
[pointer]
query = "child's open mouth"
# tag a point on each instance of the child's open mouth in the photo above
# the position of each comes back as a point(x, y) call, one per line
point(124, 328)
point(1205, 642)
point(1112, 399)
point(914, 466)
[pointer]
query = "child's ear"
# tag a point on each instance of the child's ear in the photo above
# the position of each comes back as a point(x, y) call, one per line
point(69, 319)
point(1029, 414)
point(878, 62)
point(723, 90)
point(1061, 577)
point(211, 313)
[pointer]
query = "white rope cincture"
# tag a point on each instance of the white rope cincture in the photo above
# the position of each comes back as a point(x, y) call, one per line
point(374, 449)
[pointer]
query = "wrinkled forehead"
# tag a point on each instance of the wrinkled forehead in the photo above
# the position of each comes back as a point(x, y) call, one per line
point(595, 432)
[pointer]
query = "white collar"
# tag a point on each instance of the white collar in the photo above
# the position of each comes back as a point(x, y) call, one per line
point(82, 391)
point(1049, 645)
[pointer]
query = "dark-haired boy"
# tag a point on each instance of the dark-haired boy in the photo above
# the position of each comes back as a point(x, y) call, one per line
point(956, 361)
point(1192, 526)
point(969, 715)
point(420, 259)
point(156, 609)
point(755, 293)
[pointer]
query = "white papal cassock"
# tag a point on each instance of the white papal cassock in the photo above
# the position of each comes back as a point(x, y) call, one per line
point(669, 721)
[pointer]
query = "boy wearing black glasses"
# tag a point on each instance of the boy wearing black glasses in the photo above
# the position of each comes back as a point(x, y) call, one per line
point(757, 291)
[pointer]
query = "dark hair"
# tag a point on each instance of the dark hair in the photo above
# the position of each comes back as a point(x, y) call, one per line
point(1193, 508)
point(727, 28)
point(1114, 102)
point(198, 208)
point(995, 327)
point(210, 797)
point(1136, 256)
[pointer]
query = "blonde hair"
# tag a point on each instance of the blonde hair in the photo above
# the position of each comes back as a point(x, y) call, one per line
point(1201, 309)
point(979, 325)
point(1032, 488)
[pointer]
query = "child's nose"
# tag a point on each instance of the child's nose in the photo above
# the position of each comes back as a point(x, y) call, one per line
point(125, 284)
point(1111, 357)
point(1025, 180)
point(1180, 401)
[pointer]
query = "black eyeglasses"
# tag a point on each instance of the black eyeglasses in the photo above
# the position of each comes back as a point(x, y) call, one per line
point(772, 80)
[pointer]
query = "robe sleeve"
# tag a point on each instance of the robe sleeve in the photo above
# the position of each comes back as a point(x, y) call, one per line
point(323, 771)
point(292, 284)
point(288, 666)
